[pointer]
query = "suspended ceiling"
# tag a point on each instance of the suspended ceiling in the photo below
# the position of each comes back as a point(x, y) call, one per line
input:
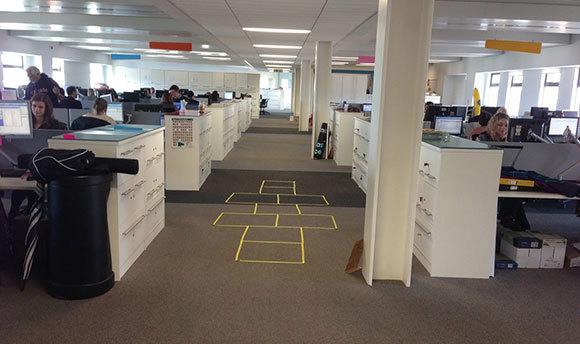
point(214, 27)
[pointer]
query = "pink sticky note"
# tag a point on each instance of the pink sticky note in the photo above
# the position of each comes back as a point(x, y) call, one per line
point(68, 136)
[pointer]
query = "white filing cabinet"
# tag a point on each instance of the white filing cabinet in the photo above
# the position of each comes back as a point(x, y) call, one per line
point(455, 224)
point(136, 204)
point(223, 129)
point(342, 126)
point(360, 151)
point(187, 151)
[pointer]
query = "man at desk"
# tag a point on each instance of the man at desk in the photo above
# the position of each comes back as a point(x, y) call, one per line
point(511, 210)
point(70, 102)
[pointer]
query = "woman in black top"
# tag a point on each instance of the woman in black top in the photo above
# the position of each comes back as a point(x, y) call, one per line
point(167, 105)
point(42, 113)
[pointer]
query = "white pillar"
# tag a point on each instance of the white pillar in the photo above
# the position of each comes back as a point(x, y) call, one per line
point(504, 79)
point(296, 94)
point(1, 75)
point(401, 63)
point(322, 70)
point(566, 89)
point(305, 94)
point(531, 86)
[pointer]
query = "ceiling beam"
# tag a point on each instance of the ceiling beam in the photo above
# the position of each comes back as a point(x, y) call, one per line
point(102, 35)
point(443, 35)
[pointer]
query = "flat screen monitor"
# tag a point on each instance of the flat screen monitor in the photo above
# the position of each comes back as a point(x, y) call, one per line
point(490, 109)
point(131, 96)
point(15, 120)
point(367, 107)
point(9, 94)
point(159, 93)
point(539, 112)
point(228, 95)
point(452, 125)
point(115, 111)
point(558, 126)
point(519, 129)
point(458, 111)
point(569, 113)
point(107, 97)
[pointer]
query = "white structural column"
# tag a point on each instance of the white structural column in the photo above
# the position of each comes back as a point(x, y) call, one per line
point(305, 94)
point(296, 94)
point(322, 70)
point(504, 79)
point(401, 63)
point(567, 87)
point(1, 76)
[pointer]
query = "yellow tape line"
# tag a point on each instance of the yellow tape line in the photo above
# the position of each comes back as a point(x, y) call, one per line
point(268, 261)
point(256, 208)
point(280, 181)
point(302, 245)
point(278, 197)
point(266, 226)
point(216, 220)
point(325, 200)
point(277, 219)
point(335, 226)
point(278, 187)
point(298, 208)
point(262, 186)
point(294, 188)
point(241, 243)
point(272, 242)
point(232, 195)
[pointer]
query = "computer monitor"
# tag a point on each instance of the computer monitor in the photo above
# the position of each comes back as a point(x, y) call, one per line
point(228, 95)
point(115, 111)
point(569, 113)
point(490, 109)
point(15, 120)
point(107, 97)
point(558, 126)
point(367, 107)
point(458, 111)
point(159, 93)
point(520, 128)
point(9, 94)
point(132, 97)
point(539, 112)
point(452, 125)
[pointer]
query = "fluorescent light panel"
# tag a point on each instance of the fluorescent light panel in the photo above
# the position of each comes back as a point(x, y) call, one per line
point(272, 30)
point(209, 53)
point(279, 56)
point(278, 62)
point(274, 46)
point(205, 46)
point(216, 58)
point(167, 56)
point(157, 51)
point(277, 66)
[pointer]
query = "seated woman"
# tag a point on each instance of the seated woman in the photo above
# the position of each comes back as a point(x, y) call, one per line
point(42, 113)
point(96, 118)
point(167, 105)
point(511, 210)
point(483, 121)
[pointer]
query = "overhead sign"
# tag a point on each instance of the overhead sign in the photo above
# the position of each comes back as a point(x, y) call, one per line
point(523, 47)
point(125, 57)
point(171, 46)
point(366, 59)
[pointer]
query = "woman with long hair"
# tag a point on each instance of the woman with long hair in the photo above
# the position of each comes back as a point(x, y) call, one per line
point(42, 113)
point(96, 118)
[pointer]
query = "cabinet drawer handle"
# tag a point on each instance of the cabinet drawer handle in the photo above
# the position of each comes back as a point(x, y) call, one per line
point(150, 160)
point(156, 204)
point(428, 213)
point(139, 184)
point(430, 176)
point(134, 225)
point(139, 147)
point(127, 152)
point(128, 191)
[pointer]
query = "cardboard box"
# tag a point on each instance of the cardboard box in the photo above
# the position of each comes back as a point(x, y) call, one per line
point(503, 262)
point(572, 259)
point(525, 257)
point(521, 239)
point(553, 250)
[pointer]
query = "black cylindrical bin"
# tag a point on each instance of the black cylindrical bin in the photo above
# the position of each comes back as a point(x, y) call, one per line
point(79, 254)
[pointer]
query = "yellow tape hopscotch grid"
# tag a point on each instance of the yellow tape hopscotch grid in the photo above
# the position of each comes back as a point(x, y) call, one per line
point(280, 184)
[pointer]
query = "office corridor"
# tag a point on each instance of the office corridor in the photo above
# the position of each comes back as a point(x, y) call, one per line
point(188, 288)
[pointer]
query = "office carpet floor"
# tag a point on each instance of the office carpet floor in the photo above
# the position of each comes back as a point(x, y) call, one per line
point(187, 288)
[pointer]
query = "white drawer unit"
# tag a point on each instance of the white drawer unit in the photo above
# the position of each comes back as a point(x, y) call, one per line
point(224, 129)
point(136, 204)
point(187, 150)
point(342, 138)
point(455, 222)
point(359, 149)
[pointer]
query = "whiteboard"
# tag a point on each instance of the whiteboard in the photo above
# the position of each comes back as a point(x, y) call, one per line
point(230, 81)
point(200, 81)
point(176, 78)
point(217, 80)
point(336, 88)
point(242, 81)
point(153, 78)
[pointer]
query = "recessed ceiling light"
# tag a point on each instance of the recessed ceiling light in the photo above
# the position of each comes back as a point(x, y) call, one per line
point(279, 56)
point(93, 29)
point(216, 58)
point(56, 27)
point(157, 51)
point(278, 62)
point(209, 53)
point(54, 8)
point(261, 29)
point(94, 40)
point(274, 46)
point(345, 58)
point(167, 56)
point(205, 46)
point(93, 8)
point(249, 64)
point(91, 47)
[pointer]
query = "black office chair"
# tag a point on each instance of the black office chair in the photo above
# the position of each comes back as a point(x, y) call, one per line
point(263, 106)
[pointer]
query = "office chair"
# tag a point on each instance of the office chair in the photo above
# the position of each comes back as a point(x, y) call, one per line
point(263, 106)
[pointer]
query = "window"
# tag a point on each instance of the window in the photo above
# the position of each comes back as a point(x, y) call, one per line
point(14, 70)
point(58, 71)
point(493, 91)
point(549, 90)
point(576, 103)
point(514, 94)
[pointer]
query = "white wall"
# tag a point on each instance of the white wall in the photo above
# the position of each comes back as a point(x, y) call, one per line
point(351, 88)
point(76, 73)
point(567, 87)
point(454, 87)
point(530, 89)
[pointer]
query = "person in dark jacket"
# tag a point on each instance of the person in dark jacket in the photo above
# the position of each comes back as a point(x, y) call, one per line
point(167, 105)
point(97, 118)
point(40, 83)
point(42, 113)
point(70, 102)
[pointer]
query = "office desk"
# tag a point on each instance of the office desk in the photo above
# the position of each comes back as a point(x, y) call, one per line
point(533, 194)
point(16, 183)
